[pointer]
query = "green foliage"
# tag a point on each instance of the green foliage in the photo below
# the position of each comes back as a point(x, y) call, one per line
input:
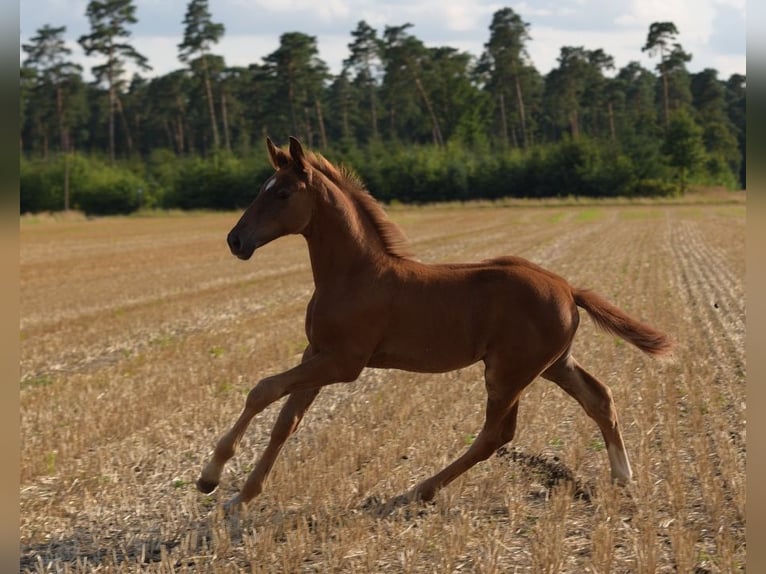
point(419, 123)
point(582, 167)
point(225, 182)
point(108, 20)
point(684, 146)
point(95, 187)
point(41, 186)
point(199, 30)
point(108, 190)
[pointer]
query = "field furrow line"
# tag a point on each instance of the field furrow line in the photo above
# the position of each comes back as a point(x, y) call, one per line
point(115, 438)
point(713, 293)
point(714, 374)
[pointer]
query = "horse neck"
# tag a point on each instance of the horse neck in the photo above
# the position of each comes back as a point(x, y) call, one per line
point(341, 240)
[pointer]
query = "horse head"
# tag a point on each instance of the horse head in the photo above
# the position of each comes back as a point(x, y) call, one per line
point(283, 205)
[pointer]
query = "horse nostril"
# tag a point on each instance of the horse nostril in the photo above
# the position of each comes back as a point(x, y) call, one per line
point(234, 242)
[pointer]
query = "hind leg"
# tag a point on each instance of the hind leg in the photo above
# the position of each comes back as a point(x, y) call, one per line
point(596, 399)
point(504, 388)
point(497, 430)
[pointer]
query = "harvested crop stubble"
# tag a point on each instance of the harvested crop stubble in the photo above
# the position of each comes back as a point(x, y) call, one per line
point(140, 338)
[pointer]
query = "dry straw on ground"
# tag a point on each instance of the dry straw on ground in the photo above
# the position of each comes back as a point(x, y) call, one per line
point(141, 336)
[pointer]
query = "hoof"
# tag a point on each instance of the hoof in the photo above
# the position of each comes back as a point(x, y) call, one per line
point(206, 486)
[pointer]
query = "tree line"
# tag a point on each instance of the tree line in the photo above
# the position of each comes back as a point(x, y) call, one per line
point(419, 123)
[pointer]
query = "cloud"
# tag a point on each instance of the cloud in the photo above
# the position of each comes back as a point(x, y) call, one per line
point(712, 30)
point(324, 10)
point(695, 19)
point(162, 52)
point(546, 45)
point(242, 50)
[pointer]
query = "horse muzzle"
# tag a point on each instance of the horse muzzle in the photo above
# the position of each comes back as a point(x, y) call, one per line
point(239, 246)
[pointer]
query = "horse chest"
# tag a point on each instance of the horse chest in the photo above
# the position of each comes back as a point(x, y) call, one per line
point(333, 322)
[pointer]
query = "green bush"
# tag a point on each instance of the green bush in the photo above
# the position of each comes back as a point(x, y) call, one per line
point(107, 190)
point(225, 183)
point(94, 186)
point(41, 186)
point(392, 172)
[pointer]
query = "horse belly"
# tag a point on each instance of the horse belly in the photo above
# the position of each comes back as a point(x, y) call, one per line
point(453, 322)
point(431, 343)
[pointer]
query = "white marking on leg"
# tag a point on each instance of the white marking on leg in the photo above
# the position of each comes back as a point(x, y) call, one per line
point(618, 460)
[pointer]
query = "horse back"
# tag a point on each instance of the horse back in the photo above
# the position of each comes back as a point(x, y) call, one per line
point(443, 317)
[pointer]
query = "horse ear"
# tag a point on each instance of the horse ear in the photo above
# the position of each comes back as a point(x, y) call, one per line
point(278, 158)
point(297, 155)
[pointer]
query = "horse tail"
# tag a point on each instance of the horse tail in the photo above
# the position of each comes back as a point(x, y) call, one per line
point(616, 321)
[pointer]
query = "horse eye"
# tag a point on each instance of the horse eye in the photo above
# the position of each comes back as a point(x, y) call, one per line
point(283, 193)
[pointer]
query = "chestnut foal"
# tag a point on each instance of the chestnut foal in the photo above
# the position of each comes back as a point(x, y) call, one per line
point(374, 306)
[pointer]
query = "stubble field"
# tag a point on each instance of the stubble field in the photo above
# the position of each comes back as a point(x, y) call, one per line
point(141, 336)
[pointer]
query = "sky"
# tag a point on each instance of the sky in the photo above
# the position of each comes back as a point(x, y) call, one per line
point(713, 31)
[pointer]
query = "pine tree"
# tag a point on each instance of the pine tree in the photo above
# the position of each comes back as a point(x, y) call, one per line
point(661, 41)
point(365, 61)
point(47, 54)
point(299, 76)
point(504, 62)
point(684, 145)
point(200, 33)
point(565, 86)
point(406, 58)
point(108, 20)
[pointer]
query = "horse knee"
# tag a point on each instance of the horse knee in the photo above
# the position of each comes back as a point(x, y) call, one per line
point(605, 405)
point(508, 428)
point(507, 434)
point(262, 395)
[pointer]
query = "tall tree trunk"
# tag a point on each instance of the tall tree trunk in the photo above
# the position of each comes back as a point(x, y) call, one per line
point(111, 120)
point(610, 112)
point(309, 130)
point(180, 119)
point(373, 110)
point(665, 98)
point(66, 181)
point(522, 112)
point(225, 119)
point(320, 120)
point(210, 102)
point(373, 113)
point(346, 128)
point(125, 126)
point(60, 117)
point(503, 120)
point(64, 135)
point(438, 140)
point(665, 95)
point(291, 101)
point(112, 90)
point(574, 124)
point(169, 134)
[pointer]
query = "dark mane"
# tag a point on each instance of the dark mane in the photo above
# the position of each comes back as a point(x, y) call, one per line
point(394, 241)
